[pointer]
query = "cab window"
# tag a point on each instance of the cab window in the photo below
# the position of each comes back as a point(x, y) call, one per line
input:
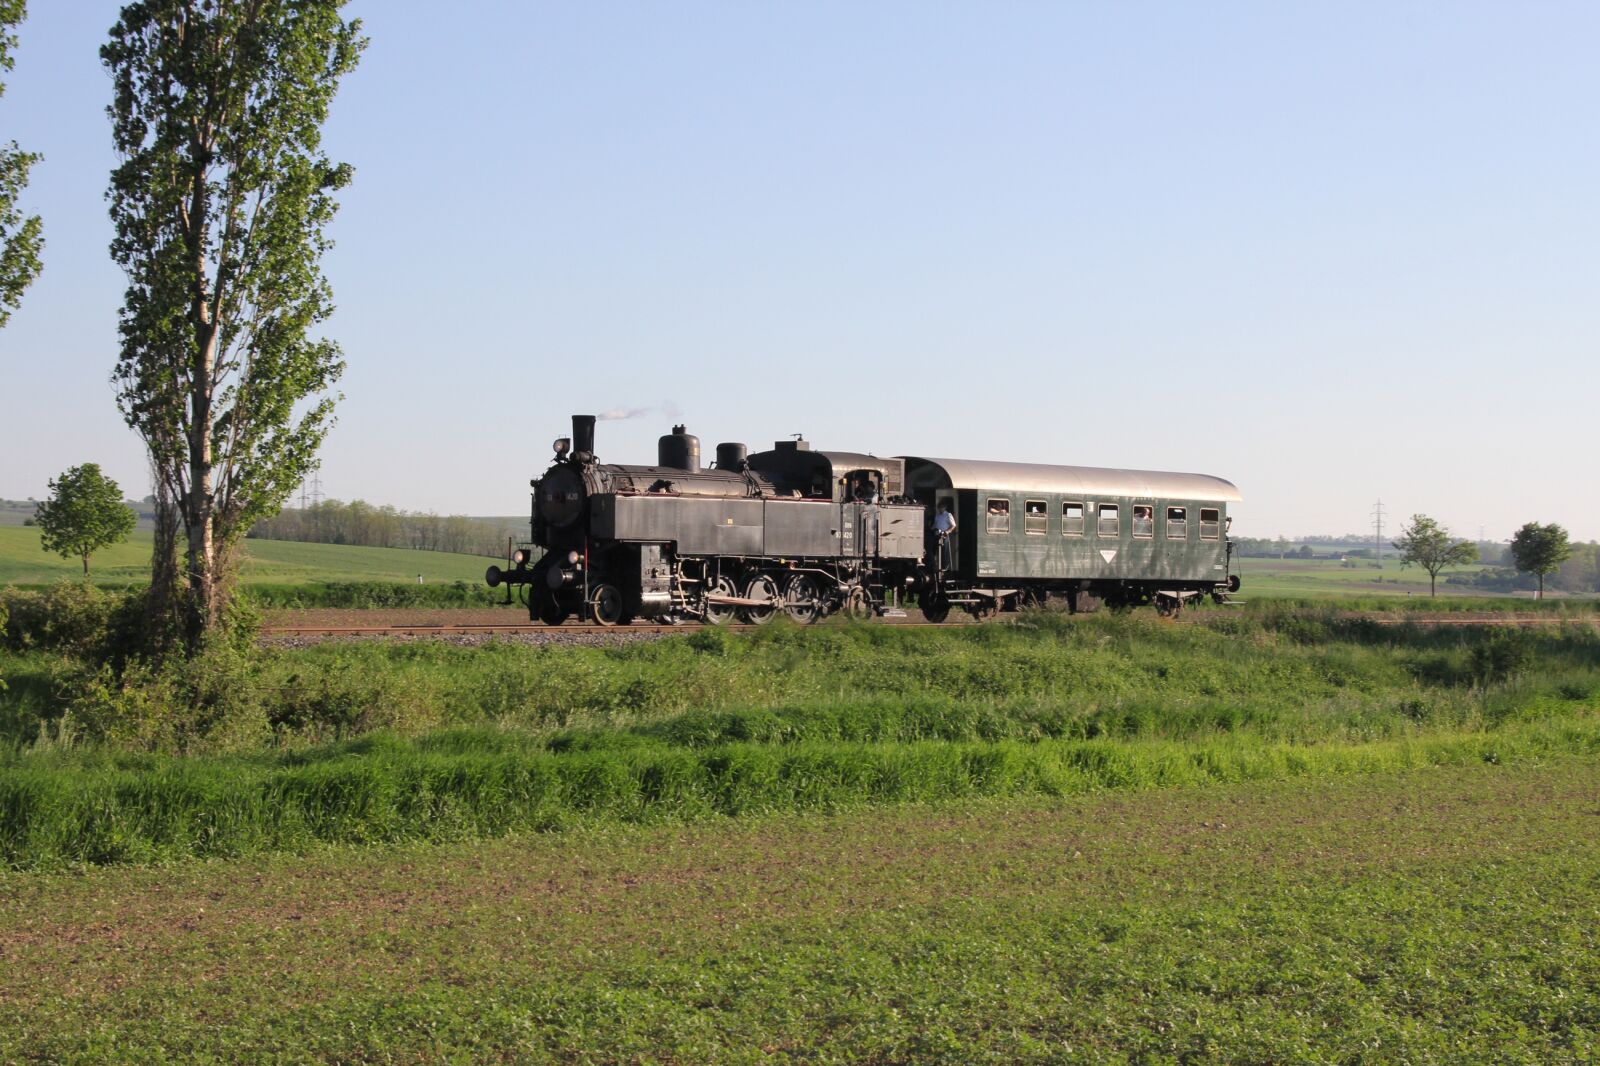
point(1036, 519)
point(999, 516)
point(1177, 523)
point(1210, 523)
point(1110, 523)
point(1072, 520)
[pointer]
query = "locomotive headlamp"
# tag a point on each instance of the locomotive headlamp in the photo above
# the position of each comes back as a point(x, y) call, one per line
point(572, 558)
point(520, 556)
point(563, 445)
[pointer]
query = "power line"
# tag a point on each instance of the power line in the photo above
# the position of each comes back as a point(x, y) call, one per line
point(1377, 531)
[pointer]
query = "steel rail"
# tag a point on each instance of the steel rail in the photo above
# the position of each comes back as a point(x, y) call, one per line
point(454, 630)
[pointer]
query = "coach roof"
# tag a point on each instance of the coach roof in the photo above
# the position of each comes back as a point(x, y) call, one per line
point(1070, 480)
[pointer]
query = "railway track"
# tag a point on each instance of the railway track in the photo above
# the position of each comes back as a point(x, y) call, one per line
point(451, 630)
point(447, 629)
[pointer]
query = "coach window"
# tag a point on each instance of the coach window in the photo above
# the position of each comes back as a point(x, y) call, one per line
point(1110, 524)
point(1072, 520)
point(1210, 523)
point(999, 518)
point(1177, 523)
point(1144, 521)
point(1036, 519)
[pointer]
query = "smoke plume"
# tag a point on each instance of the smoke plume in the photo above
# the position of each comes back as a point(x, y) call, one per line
point(622, 414)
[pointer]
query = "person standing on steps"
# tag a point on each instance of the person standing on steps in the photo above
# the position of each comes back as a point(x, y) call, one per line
point(944, 524)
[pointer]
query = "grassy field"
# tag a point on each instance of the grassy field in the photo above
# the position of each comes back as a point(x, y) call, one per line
point(431, 741)
point(1447, 916)
point(1271, 835)
point(23, 562)
point(1327, 578)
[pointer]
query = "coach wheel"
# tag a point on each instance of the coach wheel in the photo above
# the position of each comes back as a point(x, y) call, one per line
point(937, 608)
point(720, 613)
point(605, 604)
point(856, 604)
point(763, 588)
point(802, 598)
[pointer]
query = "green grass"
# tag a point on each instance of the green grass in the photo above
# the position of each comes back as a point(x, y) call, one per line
point(23, 562)
point(1327, 578)
point(388, 792)
point(434, 741)
point(1446, 916)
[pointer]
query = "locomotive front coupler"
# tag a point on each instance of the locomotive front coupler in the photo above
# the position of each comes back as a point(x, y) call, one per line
point(494, 577)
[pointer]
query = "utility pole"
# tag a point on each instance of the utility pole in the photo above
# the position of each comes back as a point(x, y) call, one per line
point(1377, 532)
point(316, 501)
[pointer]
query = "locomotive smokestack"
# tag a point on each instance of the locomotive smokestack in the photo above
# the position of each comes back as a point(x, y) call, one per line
point(583, 437)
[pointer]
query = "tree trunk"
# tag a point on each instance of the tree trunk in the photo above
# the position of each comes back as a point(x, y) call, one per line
point(86, 566)
point(162, 613)
point(1540, 594)
point(199, 511)
point(1433, 586)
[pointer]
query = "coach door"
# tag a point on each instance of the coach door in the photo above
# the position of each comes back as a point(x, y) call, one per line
point(943, 556)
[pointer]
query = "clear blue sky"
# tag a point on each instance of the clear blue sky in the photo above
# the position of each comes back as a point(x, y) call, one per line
point(1333, 253)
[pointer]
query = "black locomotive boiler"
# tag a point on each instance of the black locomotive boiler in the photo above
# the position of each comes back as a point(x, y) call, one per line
point(809, 533)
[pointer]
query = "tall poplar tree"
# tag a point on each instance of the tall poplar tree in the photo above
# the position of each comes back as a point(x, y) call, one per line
point(221, 203)
point(21, 237)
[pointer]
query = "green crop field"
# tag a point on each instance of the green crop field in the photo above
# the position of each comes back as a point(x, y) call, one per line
point(1445, 917)
point(23, 562)
point(1329, 578)
point(1271, 834)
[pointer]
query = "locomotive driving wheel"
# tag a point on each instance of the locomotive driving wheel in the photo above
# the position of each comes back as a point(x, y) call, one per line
point(802, 598)
point(720, 613)
point(856, 604)
point(936, 608)
point(763, 588)
point(605, 604)
point(549, 609)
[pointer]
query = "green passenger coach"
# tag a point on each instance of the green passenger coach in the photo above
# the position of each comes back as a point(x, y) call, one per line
point(1030, 532)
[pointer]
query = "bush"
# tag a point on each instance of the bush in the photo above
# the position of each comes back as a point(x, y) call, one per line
point(211, 702)
point(71, 617)
point(1503, 655)
point(336, 701)
point(360, 595)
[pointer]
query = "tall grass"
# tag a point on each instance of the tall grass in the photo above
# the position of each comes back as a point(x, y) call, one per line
point(389, 791)
point(236, 752)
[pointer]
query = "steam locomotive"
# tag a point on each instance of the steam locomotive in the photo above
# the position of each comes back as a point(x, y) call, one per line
point(809, 533)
